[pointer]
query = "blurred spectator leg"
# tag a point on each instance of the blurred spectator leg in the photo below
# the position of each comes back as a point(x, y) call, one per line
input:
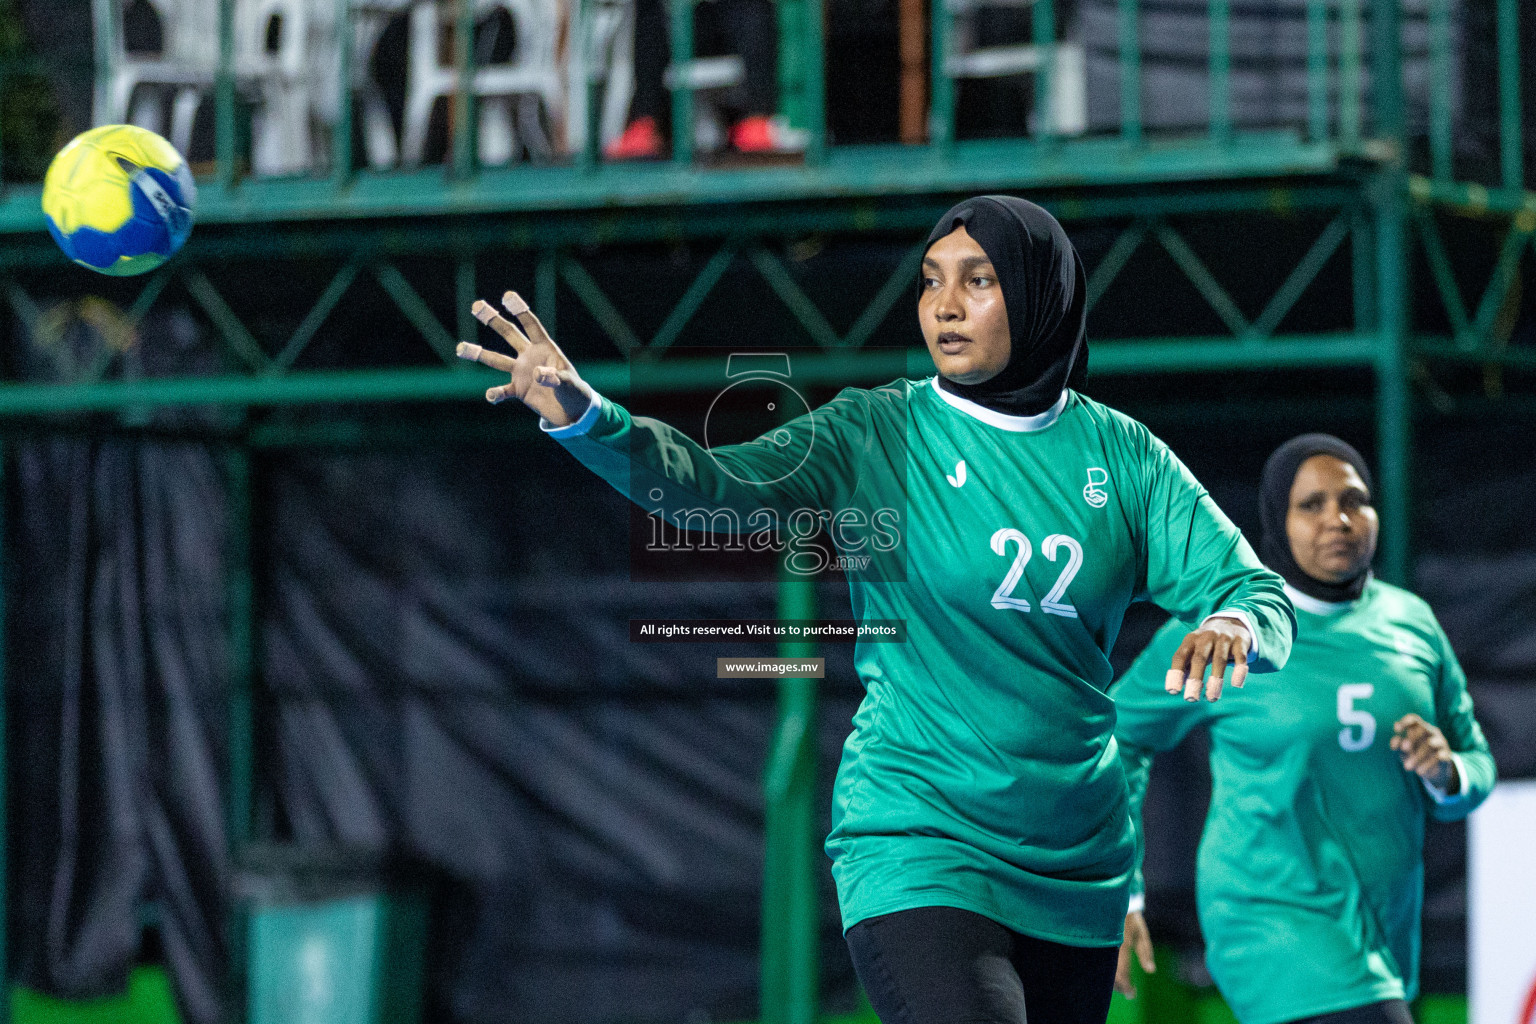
point(750, 30)
point(643, 137)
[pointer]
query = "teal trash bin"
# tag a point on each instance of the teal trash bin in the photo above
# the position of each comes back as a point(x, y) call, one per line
point(332, 938)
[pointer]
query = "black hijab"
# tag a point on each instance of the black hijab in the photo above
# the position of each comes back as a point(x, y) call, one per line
point(1045, 292)
point(1275, 502)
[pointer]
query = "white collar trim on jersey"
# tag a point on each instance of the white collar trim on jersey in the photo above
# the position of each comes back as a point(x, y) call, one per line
point(1308, 603)
point(1039, 421)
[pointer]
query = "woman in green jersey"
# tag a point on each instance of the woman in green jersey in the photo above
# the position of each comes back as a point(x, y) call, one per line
point(981, 841)
point(1311, 870)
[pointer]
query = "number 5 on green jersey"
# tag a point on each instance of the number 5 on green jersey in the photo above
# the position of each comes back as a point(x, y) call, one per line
point(1354, 718)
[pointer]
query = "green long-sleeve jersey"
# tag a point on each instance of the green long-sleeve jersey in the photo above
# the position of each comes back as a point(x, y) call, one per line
point(981, 772)
point(1310, 870)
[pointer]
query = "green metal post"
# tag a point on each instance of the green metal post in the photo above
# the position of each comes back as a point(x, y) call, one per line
point(106, 34)
point(1387, 77)
point(941, 103)
point(1043, 25)
point(1317, 71)
point(4, 74)
point(1350, 92)
point(239, 596)
point(790, 902)
point(1221, 71)
point(1130, 71)
point(224, 97)
point(681, 26)
point(802, 85)
point(341, 138)
point(464, 107)
point(1394, 396)
point(1512, 155)
point(5, 987)
point(814, 53)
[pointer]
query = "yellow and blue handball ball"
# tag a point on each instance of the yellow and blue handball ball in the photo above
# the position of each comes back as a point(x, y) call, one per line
point(118, 199)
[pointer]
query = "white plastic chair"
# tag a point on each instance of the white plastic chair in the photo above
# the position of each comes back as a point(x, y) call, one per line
point(369, 20)
point(135, 87)
point(288, 53)
point(273, 54)
point(601, 51)
point(532, 76)
point(709, 78)
point(1068, 102)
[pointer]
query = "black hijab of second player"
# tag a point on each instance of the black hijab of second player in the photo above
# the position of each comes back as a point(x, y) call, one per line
point(1045, 292)
point(1275, 503)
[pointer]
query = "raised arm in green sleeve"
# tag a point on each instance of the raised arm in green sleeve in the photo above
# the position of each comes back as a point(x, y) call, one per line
point(1198, 562)
point(811, 462)
point(1453, 714)
point(1148, 720)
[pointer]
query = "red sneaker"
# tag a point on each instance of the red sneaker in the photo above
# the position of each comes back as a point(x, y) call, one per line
point(640, 141)
point(760, 133)
point(754, 135)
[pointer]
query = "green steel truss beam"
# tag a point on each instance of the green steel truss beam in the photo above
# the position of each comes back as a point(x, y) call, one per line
point(815, 369)
point(694, 297)
point(1477, 335)
point(853, 214)
point(265, 374)
point(236, 339)
point(312, 322)
point(872, 172)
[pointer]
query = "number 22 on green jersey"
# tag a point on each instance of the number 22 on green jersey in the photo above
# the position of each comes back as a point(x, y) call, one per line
point(1052, 604)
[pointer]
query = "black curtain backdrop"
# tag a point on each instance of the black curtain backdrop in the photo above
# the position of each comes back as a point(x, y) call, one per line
point(444, 673)
point(116, 702)
point(447, 666)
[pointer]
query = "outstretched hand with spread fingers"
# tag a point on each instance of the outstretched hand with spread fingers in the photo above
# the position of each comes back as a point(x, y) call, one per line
point(543, 379)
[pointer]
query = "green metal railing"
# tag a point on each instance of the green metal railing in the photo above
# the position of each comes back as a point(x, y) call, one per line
point(1333, 126)
point(1372, 206)
point(5, 689)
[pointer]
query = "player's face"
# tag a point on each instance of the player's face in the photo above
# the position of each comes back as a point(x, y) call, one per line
point(1331, 524)
point(961, 309)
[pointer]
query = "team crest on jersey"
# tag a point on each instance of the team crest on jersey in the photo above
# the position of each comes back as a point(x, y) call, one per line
point(1094, 494)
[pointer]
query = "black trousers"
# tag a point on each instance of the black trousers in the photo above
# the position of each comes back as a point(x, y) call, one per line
point(1393, 1011)
point(745, 27)
point(940, 965)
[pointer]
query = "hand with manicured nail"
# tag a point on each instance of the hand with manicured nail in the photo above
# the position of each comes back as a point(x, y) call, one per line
point(543, 379)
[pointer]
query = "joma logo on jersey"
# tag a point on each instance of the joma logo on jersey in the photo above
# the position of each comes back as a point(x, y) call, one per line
point(1094, 494)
